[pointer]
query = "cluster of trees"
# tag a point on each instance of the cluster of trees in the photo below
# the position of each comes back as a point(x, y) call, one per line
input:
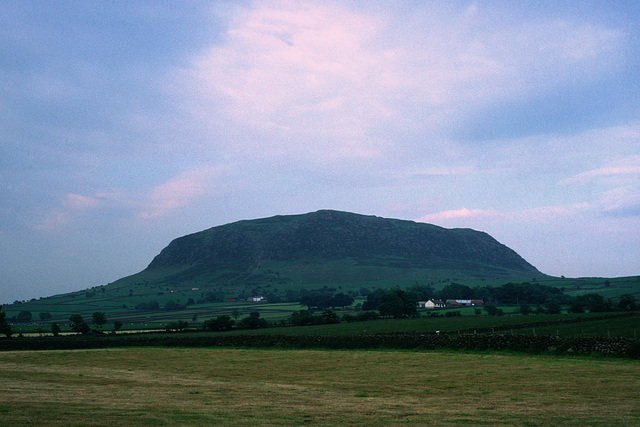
point(155, 305)
point(220, 323)
point(596, 303)
point(297, 318)
point(78, 324)
point(25, 316)
point(150, 305)
point(226, 323)
point(322, 299)
point(180, 325)
point(398, 304)
point(306, 317)
point(212, 296)
point(510, 293)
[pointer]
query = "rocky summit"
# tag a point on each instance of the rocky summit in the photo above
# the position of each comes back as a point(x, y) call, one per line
point(333, 247)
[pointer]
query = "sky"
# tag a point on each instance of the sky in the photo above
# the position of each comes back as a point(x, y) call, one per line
point(124, 125)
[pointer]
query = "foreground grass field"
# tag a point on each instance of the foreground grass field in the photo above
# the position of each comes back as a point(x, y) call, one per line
point(179, 386)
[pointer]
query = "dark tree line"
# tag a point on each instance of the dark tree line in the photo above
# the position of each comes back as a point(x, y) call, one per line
point(5, 328)
point(322, 299)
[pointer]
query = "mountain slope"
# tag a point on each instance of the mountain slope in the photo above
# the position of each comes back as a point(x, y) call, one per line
point(299, 248)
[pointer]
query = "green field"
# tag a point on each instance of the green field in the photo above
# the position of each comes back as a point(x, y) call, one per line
point(560, 325)
point(179, 386)
point(118, 302)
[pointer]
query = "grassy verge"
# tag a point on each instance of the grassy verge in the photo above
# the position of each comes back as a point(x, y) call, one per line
point(178, 386)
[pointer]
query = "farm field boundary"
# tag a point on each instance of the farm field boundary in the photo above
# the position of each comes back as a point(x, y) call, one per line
point(598, 346)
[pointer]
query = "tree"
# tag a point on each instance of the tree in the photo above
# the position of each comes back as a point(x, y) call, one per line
point(180, 325)
point(55, 329)
point(422, 292)
point(235, 313)
point(595, 303)
point(342, 300)
point(5, 328)
point(373, 300)
point(99, 319)
point(525, 309)
point(272, 297)
point(78, 324)
point(492, 310)
point(214, 296)
point(151, 305)
point(220, 323)
point(253, 321)
point(627, 303)
point(456, 291)
point(302, 318)
point(172, 305)
point(577, 306)
point(398, 304)
point(117, 325)
point(330, 316)
point(291, 295)
point(44, 315)
point(320, 299)
point(24, 316)
point(553, 307)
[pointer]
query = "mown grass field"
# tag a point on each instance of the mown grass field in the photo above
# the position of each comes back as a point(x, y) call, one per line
point(206, 386)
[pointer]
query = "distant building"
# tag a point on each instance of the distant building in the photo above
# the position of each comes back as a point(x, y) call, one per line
point(464, 302)
point(434, 303)
point(256, 299)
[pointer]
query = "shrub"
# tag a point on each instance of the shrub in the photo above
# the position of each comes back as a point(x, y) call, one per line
point(221, 323)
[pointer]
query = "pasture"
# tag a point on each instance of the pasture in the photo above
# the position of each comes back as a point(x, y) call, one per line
point(204, 386)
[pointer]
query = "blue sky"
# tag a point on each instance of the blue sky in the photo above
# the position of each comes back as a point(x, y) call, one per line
point(124, 125)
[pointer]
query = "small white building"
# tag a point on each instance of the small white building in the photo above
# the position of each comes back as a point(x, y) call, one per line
point(434, 303)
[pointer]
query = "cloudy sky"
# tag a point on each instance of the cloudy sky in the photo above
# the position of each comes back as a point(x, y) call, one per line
point(124, 125)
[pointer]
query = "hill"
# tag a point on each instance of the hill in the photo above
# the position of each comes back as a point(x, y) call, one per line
point(279, 256)
point(331, 248)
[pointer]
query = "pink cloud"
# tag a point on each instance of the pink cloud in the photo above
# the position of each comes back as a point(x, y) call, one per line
point(539, 214)
point(628, 168)
point(78, 201)
point(332, 75)
point(181, 190)
point(457, 214)
point(157, 202)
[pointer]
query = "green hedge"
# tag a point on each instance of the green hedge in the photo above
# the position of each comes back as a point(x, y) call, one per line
point(616, 347)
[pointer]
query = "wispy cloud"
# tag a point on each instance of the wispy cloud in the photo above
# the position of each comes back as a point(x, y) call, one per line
point(627, 169)
point(157, 202)
point(536, 215)
point(324, 79)
point(181, 190)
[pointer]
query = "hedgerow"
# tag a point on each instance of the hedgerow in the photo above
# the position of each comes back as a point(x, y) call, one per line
point(603, 346)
